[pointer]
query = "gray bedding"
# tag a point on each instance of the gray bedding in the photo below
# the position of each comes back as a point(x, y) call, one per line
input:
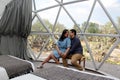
point(14, 66)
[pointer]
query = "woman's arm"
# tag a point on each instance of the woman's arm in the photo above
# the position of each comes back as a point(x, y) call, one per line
point(58, 50)
point(66, 52)
point(68, 48)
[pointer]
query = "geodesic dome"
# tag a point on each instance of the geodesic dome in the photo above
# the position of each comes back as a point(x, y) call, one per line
point(62, 7)
point(50, 17)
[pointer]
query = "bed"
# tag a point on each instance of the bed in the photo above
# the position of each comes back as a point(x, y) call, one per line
point(3, 74)
point(12, 66)
point(28, 77)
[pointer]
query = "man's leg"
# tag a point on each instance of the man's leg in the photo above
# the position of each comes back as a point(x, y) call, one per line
point(74, 59)
point(64, 60)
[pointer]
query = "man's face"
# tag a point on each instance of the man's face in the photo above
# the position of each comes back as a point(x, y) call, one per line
point(71, 34)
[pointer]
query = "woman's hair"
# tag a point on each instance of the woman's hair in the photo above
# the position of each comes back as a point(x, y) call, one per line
point(63, 35)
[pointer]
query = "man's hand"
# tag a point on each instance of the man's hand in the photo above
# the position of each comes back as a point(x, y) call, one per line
point(64, 55)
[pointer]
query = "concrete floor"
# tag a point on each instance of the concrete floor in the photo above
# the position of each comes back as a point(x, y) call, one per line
point(110, 69)
point(107, 68)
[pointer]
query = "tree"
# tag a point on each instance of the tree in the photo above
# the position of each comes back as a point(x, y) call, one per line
point(59, 27)
point(39, 40)
point(93, 28)
point(37, 26)
point(119, 23)
point(83, 26)
point(108, 28)
point(76, 28)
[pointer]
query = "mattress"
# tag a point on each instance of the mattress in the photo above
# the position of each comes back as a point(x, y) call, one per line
point(28, 77)
point(3, 74)
point(15, 66)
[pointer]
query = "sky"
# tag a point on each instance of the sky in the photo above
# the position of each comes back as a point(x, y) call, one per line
point(79, 11)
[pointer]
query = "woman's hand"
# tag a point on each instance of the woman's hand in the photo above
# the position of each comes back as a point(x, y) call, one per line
point(63, 55)
point(60, 53)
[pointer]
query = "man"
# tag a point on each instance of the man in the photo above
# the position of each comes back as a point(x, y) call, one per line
point(76, 51)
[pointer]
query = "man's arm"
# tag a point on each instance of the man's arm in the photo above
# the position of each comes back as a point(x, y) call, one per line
point(74, 45)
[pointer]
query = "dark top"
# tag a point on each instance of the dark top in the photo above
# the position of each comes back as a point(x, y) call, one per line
point(76, 46)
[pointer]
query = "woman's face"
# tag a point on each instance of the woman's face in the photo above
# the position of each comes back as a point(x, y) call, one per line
point(66, 34)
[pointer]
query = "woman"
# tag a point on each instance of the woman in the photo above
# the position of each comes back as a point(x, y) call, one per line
point(62, 47)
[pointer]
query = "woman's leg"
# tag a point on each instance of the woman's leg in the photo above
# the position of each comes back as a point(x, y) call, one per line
point(46, 60)
point(53, 57)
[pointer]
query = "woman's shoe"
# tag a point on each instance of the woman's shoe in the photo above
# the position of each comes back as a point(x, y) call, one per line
point(40, 67)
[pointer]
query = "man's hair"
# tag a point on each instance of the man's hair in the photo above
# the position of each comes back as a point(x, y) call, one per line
point(73, 31)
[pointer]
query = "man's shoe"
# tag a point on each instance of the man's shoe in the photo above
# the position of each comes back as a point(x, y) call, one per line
point(81, 69)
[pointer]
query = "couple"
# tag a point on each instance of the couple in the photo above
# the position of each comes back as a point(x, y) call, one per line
point(67, 48)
